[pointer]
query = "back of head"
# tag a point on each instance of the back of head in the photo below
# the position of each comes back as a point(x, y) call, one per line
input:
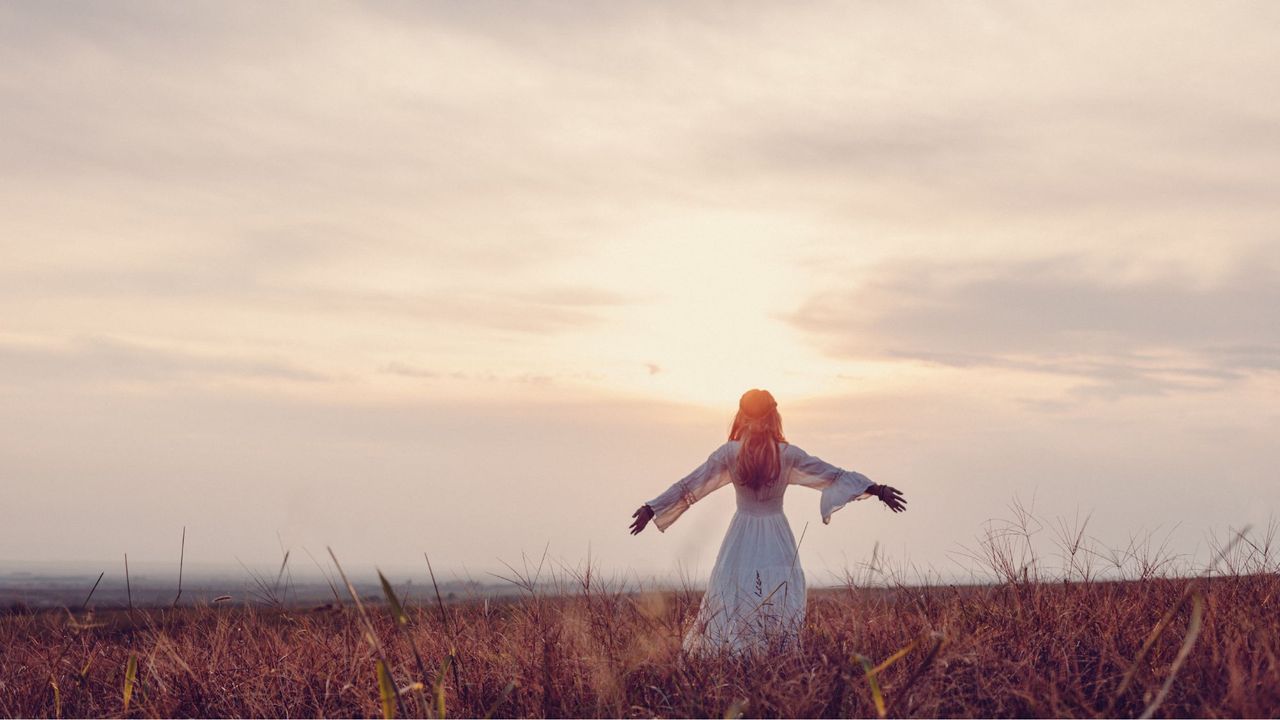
point(758, 426)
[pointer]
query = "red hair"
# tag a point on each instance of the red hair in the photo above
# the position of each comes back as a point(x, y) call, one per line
point(758, 426)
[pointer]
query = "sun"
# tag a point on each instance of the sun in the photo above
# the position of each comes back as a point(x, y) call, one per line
point(708, 296)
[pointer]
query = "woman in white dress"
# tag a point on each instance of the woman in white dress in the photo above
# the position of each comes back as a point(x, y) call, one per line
point(755, 599)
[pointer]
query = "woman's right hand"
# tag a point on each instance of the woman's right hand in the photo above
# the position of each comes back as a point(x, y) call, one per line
point(890, 496)
point(642, 518)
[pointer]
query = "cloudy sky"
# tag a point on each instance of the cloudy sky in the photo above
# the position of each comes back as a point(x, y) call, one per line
point(478, 279)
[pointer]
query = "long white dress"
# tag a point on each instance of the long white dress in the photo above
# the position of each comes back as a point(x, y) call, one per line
point(755, 599)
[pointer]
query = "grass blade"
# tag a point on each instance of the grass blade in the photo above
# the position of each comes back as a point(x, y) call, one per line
point(370, 633)
point(453, 635)
point(182, 561)
point(1147, 644)
point(130, 676)
point(938, 641)
point(877, 697)
point(57, 697)
point(397, 610)
point(402, 626)
point(896, 657)
point(386, 690)
point(502, 698)
point(1193, 632)
point(439, 686)
point(128, 586)
point(85, 604)
point(873, 673)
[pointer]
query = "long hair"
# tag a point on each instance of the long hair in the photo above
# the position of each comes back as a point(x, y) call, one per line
point(759, 427)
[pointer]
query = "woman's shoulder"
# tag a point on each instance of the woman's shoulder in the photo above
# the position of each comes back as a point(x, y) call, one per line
point(791, 451)
point(727, 451)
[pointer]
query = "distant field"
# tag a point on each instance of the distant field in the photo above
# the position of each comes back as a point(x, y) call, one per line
point(28, 592)
point(1207, 647)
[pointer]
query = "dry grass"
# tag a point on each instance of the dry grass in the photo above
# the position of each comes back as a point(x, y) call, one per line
point(1025, 646)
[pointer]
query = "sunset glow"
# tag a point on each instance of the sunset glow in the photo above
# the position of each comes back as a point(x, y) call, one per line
point(302, 277)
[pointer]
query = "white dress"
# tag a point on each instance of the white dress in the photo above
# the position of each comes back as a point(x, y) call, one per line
point(755, 599)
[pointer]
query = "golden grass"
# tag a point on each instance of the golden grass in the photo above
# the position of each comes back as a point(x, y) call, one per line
point(1150, 646)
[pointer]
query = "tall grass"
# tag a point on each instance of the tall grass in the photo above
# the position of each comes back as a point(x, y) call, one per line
point(574, 645)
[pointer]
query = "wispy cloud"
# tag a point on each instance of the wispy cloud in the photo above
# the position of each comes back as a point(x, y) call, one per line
point(103, 361)
point(1125, 328)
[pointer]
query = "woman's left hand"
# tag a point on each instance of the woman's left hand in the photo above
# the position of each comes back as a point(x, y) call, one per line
point(890, 496)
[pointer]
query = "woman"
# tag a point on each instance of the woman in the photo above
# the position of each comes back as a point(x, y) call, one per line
point(756, 597)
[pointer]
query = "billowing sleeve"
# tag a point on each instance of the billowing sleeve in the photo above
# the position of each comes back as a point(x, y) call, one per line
point(839, 487)
point(711, 475)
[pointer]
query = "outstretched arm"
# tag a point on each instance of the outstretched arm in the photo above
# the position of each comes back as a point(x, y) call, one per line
point(671, 504)
point(838, 486)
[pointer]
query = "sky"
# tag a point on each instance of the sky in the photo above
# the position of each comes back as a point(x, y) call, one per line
point(478, 279)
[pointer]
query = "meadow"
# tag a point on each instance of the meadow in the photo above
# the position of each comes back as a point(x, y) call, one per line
point(1112, 634)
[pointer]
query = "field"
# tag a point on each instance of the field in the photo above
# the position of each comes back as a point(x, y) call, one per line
point(1079, 646)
